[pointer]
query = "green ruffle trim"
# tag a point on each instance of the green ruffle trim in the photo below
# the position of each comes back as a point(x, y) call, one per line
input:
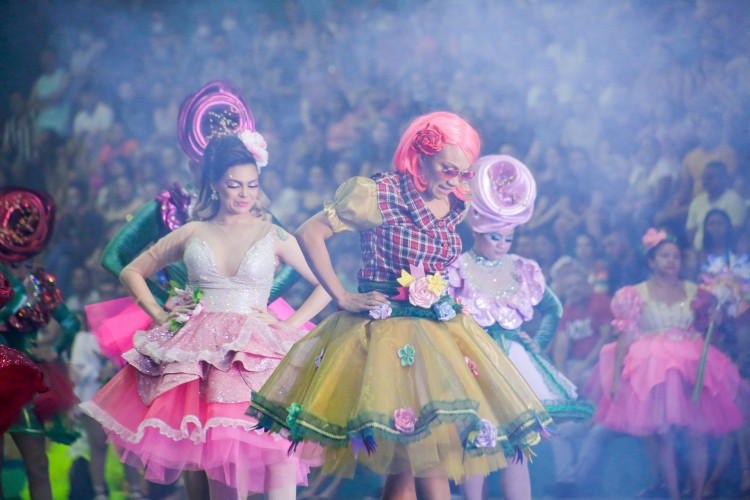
point(58, 430)
point(522, 433)
point(576, 410)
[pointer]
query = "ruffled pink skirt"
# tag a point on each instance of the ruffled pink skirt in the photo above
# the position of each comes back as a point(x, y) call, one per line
point(655, 395)
point(179, 404)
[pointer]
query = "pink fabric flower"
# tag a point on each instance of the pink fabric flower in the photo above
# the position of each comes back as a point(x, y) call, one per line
point(420, 294)
point(653, 238)
point(404, 420)
point(428, 141)
point(472, 366)
point(626, 308)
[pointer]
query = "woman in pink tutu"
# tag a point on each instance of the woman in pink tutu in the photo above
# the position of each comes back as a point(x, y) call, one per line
point(179, 403)
point(645, 381)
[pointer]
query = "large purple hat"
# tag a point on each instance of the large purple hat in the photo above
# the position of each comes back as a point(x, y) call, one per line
point(27, 218)
point(216, 109)
point(503, 194)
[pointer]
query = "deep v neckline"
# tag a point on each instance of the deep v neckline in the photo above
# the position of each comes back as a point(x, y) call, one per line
point(212, 257)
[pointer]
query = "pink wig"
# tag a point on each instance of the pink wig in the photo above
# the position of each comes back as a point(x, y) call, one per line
point(455, 131)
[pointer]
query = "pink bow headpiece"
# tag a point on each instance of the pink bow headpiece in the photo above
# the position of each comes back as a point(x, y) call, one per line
point(653, 237)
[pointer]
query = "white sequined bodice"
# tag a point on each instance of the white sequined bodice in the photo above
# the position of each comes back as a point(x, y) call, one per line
point(660, 316)
point(249, 287)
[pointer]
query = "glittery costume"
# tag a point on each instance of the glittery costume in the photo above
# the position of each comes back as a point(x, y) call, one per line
point(217, 108)
point(179, 403)
point(26, 223)
point(20, 379)
point(659, 371)
point(20, 322)
point(156, 219)
point(503, 294)
point(419, 390)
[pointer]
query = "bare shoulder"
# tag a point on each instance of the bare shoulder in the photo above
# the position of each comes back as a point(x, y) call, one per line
point(281, 234)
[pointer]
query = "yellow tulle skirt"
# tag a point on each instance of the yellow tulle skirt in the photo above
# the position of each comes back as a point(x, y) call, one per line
point(402, 394)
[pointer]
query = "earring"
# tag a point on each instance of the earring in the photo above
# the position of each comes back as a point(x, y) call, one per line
point(214, 195)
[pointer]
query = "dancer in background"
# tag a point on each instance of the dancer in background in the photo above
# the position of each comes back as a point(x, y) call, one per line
point(398, 380)
point(179, 403)
point(645, 380)
point(20, 379)
point(26, 324)
point(721, 261)
point(502, 291)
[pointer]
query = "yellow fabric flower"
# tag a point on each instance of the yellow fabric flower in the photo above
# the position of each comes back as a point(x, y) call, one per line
point(406, 279)
point(435, 284)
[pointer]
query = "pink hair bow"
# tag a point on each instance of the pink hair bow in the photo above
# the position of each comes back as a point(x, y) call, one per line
point(653, 238)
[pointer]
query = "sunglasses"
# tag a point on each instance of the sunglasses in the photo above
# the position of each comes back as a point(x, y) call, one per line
point(451, 173)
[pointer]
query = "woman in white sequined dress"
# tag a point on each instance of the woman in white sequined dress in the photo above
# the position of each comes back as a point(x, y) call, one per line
point(180, 402)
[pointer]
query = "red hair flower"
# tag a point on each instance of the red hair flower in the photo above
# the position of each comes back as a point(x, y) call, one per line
point(428, 141)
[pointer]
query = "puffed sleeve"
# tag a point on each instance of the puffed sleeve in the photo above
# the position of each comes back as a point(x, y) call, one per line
point(551, 309)
point(354, 206)
point(626, 308)
point(70, 327)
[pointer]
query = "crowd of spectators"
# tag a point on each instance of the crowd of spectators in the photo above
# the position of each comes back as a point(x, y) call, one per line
point(630, 114)
point(616, 107)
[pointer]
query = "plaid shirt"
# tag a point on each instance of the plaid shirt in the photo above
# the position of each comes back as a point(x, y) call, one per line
point(410, 232)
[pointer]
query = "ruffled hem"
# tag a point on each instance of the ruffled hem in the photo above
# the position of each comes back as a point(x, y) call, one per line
point(179, 431)
point(230, 354)
point(656, 386)
point(456, 386)
point(210, 336)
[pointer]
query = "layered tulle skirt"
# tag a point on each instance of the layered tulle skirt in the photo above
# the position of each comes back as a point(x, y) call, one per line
point(658, 377)
point(402, 394)
point(179, 404)
point(558, 394)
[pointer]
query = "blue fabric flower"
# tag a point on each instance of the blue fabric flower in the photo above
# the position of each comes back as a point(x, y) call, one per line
point(382, 311)
point(444, 311)
point(406, 355)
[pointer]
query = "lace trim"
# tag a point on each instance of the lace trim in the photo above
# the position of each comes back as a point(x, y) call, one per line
point(197, 436)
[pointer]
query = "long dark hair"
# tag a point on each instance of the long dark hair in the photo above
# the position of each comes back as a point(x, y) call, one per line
point(709, 244)
point(221, 153)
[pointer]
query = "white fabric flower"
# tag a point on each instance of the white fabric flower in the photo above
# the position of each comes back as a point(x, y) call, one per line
point(256, 144)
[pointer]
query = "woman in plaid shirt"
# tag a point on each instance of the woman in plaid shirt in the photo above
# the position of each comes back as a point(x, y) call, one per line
point(397, 379)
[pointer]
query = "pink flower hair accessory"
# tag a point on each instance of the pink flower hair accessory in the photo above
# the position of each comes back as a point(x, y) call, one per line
point(256, 144)
point(428, 141)
point(653, 238)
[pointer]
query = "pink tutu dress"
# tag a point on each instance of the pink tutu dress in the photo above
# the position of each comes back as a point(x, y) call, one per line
point(659, 371)
point(180, 401)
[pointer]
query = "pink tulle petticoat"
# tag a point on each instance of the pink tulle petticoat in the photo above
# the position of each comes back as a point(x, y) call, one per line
point(180, 402)
point(658, 377)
